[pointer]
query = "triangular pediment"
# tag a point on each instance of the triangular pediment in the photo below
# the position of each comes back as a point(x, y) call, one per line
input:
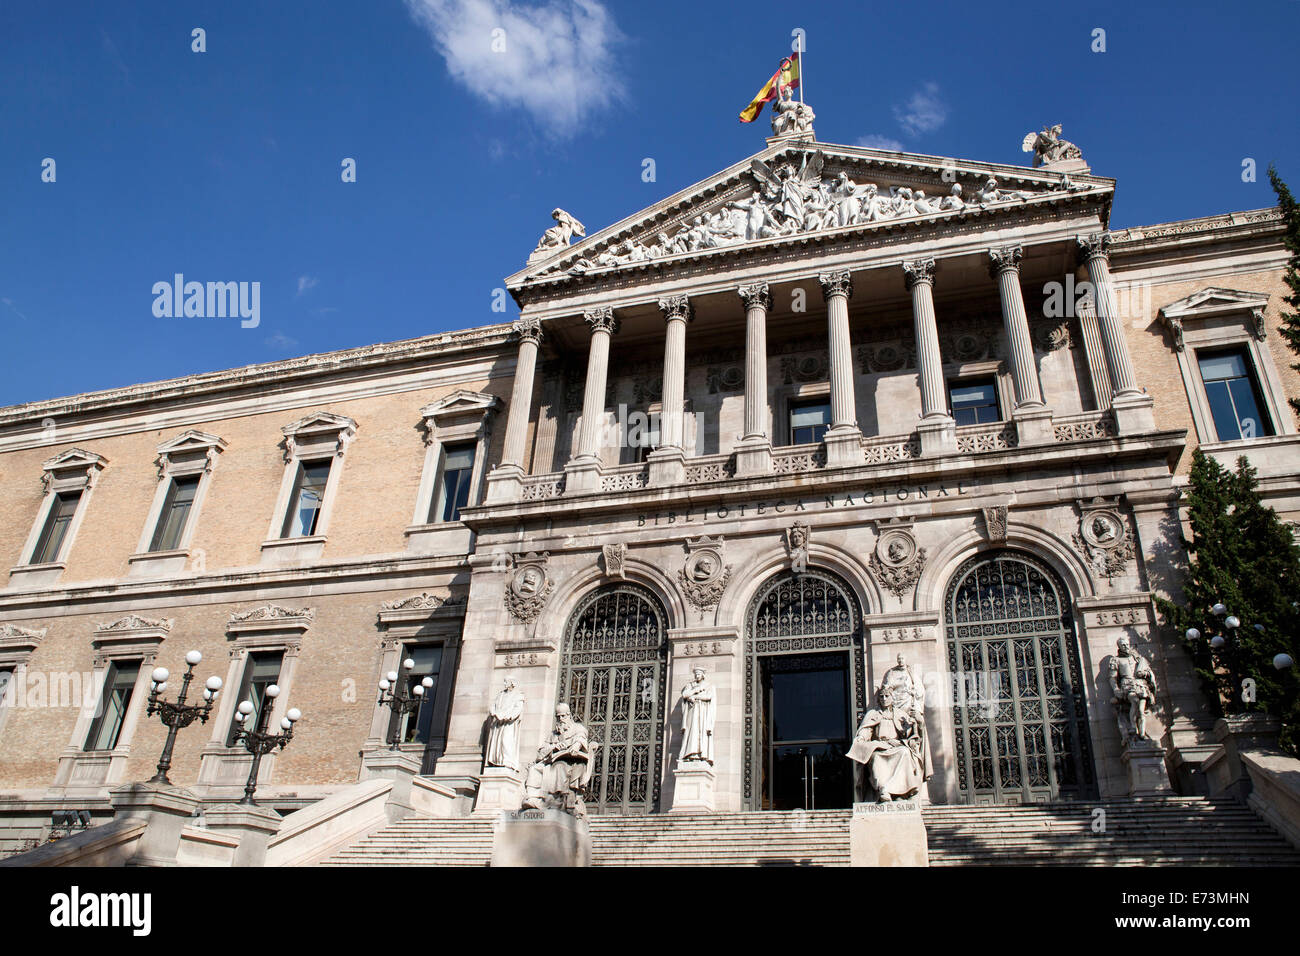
point(318, 423)
point(793, 190)
point(191, 441)
point(1215, 301)
point(75, 459)
point(461, 402)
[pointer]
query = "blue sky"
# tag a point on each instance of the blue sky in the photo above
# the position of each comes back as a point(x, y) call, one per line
point(225, 165)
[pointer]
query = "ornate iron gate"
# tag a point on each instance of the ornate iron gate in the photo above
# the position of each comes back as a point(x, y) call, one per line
point(1018, 701)
point(796, 614)
point(613, 677)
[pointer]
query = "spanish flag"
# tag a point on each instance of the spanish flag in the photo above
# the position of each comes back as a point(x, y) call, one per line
point(787, 74)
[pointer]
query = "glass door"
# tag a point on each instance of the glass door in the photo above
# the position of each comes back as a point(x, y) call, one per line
point(807, 730)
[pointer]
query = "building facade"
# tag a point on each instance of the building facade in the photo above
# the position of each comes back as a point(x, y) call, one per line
point(785, 426)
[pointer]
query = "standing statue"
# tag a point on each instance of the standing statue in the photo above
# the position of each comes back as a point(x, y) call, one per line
point(906, 689)
point(790, 190)
point(1048, 147)
point(697, 718)
point(790, 115)
point(1132, 686)
point(558, 778)
point(890, 744)
point(503, 727)
point(559, 235)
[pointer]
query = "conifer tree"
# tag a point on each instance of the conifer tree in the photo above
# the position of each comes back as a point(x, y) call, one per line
point(1245, 557)
point(1290, 328)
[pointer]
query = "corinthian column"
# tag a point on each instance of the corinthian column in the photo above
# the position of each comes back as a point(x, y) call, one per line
point(1033, 418)
point(505, 481)
point(754, 451)
point(937, 429)
point(1133, 407)
point(843, 438)
point(668, 461)
point(583, 469)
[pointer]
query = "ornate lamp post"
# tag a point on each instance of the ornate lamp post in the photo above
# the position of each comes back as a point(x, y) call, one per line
point(178, 714)
point(390, 693)
point(258, 742)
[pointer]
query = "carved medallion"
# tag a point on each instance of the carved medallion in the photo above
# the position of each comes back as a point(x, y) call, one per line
point(1103, 537)
point(704, 576)
point(897, 562)
point(529, 587)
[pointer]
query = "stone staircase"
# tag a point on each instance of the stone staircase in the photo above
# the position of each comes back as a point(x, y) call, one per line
point(1157, 830)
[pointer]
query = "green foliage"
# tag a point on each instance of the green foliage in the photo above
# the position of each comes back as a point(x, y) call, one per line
point(1244, 557)
point(1291, 217)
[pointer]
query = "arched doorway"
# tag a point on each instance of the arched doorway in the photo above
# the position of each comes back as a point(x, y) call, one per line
point(613, 676)
point(805, 691)
point(1019, 711)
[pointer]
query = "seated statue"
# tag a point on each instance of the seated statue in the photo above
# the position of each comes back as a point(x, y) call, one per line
point(890, 743)
point(558, 778)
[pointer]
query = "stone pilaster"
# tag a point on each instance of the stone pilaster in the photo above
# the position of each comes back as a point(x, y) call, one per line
point(583, 470)
point(668, 461)
point(754, 452)
point(843, 438)
point(1134, 409)
point(1032, 417)
point(505, 481)
point(937, 428)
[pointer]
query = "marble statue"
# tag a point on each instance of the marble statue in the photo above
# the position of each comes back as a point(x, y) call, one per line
point(1133, 690)
point(559, 235)
point(906, 689)
point(503, 728)
point(559, 776)
point(788, 190)
point(790, 115)
point(953, 200)
point(1048, 147)
point(698, 708)
point(890, 743)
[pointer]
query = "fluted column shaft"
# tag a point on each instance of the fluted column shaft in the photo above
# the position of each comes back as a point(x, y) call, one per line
point(1096, 257)
point(677, 312)
point(603, 325)
point(1004, 266)
point(919, 276)
point(837, 287)
point(757, 302)
point(521, 394)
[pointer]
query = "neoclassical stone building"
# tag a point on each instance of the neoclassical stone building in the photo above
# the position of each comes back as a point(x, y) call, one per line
point(786, 425)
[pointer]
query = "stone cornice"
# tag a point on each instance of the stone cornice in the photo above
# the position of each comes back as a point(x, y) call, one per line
point(191, 387)
point(1266, 222)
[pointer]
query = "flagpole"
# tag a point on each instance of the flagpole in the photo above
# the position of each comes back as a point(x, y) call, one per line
point(801, 53)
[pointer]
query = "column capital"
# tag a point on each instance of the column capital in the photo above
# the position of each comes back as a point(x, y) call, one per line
point(918, 270)
point(601, 319)
point(1094, 246)
point(756, 296)
point(836, 283)
point(677, 307)
point(528, 329)
point(1005, 259)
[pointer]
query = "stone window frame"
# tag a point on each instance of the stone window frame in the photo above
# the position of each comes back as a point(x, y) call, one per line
point(989, 368)
point(317, 436)
point(463, 417)
point(17, 645)
point(267, 627)
point(419, 619)
point(72, 470)
point(1214, 319)
point(784, 398)
point(189, 453)
point(129, 638)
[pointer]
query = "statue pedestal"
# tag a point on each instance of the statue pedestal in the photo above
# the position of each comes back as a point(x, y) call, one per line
point(1145, 760)
point(541, 838)
point(888, 834)
point(693, 792)
point(499, 788)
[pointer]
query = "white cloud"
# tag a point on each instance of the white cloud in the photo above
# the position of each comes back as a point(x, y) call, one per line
point(558, 59)
point(280, 341)
point(923, 112)
point(876, 141)
point(307, 282)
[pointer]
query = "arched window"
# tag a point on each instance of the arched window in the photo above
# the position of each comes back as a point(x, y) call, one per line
point(1018, 698)
point(613, 676)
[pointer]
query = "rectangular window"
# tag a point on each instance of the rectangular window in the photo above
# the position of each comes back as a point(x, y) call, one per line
point(453, 483)
point(175, 514)
point(974, 402)
point(56, 527)
point(809, 421)
point(119, 683)
point(308, 494)
point(415, 728)
point(1233, 395)
point(6, 678)
point(261, 670)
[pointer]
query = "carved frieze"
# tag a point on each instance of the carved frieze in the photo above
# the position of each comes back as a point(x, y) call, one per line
point(730, 378)
point(806, 368)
